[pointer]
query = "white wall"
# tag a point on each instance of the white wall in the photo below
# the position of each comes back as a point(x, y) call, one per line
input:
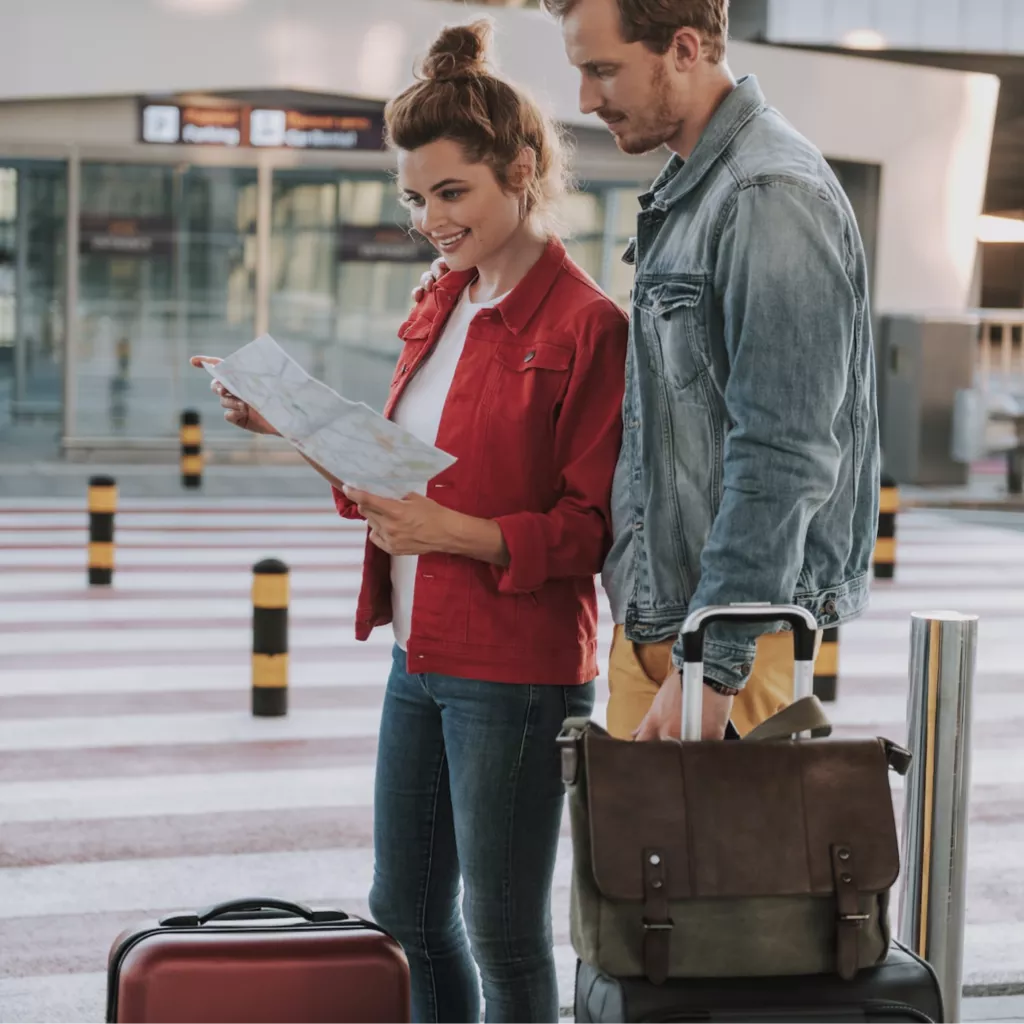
point(992, 26)
point(929, 129)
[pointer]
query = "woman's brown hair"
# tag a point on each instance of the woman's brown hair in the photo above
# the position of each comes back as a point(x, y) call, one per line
point(458, 97)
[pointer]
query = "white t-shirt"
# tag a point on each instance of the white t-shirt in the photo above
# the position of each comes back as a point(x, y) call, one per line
point(419, 412)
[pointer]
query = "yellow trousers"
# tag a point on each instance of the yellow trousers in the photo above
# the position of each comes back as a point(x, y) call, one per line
point(635, 671)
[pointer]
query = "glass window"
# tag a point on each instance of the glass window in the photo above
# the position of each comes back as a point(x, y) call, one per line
point(167, 269)
point(581, 215)
point(33, 238)
point(335, 304)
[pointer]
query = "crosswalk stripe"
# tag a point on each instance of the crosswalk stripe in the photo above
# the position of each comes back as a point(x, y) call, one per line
point(157, 791)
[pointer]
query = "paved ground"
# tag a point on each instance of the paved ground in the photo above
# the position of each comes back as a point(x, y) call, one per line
point(133, 780)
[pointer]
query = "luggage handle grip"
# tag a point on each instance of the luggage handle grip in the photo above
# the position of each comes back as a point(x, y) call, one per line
point(244, 905)
point(802, 622)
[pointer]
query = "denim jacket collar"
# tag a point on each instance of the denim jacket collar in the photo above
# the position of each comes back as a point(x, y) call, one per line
point(679, 176)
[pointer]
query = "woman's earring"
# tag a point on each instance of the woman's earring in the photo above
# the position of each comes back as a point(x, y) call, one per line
point(522, 207)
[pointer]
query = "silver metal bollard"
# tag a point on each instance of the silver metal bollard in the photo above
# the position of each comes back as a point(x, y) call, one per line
point(934, 869)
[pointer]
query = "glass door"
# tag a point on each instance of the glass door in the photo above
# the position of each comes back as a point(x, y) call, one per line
point(343, 266)
point(33, 205)
point(167, 268)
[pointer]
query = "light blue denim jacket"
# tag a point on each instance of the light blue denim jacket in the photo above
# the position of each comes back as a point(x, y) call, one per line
point(750, 461)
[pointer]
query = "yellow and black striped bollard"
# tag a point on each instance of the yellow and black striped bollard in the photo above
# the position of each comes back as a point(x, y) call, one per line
point(885, 544)
point(102, 506)
point(270, 638)
point(191, 449)
point(826, 666)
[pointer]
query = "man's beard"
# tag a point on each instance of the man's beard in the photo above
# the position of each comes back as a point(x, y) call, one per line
point(652, 130)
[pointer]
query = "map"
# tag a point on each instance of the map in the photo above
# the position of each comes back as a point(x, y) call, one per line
point(349, 439)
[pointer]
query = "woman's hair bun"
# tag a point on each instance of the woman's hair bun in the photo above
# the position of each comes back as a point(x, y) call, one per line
point(460, 51)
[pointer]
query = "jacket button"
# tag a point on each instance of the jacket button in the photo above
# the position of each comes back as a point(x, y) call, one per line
point(829, 607)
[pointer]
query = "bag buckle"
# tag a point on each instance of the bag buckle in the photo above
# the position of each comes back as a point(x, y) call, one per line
point(854, 919)
point(568, 744)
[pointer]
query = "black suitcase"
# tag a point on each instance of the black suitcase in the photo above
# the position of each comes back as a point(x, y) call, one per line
point(902, 988)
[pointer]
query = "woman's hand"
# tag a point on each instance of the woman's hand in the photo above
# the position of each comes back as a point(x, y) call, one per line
point(236, 411)
point(413, 525)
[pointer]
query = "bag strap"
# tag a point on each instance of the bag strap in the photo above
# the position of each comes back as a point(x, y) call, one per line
point(801, 716)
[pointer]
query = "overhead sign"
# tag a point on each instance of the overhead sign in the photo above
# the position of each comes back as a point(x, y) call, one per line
point(294, 129)
point(382, 244)
point(169, 124)
point(199, 126)
point(103, 235)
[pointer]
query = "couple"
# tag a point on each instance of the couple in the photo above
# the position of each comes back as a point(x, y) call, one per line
point(720, 446)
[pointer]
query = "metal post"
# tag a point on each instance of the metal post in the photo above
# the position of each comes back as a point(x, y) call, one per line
point(72, 322)
point(21, 293)
point(934, 870)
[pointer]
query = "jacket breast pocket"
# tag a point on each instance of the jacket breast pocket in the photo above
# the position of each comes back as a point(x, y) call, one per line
point(673, 325)
point(415, 333)
point(530, 380)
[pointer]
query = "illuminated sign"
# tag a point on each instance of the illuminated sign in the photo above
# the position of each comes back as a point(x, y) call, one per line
point(197, 126)
point(170, 124)
point(103, 235)
point(382, 244)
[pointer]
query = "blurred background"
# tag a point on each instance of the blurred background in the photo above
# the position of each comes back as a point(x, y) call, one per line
point(179, 176)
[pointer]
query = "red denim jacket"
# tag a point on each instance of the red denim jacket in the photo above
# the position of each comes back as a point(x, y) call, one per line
point(534, 418)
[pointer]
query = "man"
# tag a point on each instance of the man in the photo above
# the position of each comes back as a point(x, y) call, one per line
point(749, 464)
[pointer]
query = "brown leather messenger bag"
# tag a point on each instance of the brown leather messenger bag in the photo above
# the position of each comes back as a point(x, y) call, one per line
point(772, 855)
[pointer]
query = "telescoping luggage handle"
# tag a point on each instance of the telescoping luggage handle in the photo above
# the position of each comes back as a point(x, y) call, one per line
point(804, 627)
point(249, 906)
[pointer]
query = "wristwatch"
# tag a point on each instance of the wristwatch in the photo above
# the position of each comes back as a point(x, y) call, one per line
point(721, 688)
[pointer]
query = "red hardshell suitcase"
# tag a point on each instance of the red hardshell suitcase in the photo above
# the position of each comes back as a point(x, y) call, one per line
point(257, 960)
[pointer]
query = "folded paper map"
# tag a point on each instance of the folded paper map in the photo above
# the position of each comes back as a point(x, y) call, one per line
point(349, 439)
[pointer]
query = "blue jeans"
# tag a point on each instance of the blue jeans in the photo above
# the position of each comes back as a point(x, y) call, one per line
point(469, 783)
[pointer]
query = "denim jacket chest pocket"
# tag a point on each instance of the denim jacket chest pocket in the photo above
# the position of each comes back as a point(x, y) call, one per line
point(673, 325)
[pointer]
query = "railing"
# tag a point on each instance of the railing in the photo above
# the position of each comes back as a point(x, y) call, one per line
point(988, 418)
point(1000, 363)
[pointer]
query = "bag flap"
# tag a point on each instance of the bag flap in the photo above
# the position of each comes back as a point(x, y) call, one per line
point(738, 819)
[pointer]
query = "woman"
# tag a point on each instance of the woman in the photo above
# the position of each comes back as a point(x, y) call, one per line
point(513, 363)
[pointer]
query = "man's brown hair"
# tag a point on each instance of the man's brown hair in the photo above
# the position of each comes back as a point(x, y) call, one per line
point(655, 22)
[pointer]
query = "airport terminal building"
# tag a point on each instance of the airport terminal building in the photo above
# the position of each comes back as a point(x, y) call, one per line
point(162, 200)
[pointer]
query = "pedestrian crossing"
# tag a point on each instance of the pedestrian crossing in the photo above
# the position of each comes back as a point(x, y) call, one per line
point(135, 782)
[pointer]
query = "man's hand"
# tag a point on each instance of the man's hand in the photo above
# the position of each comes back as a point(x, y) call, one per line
point(413, 525)
point(664, 719)
point(430, 277)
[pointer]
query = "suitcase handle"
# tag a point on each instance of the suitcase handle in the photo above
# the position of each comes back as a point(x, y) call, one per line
point(804, 627)
point(250, 905)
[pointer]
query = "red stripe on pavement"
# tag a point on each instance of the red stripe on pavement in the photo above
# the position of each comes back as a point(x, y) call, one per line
point(103, 595)
point(184, 759)
point(123, 527)
point(191, 510)
point(178, 568)
point(125, 625)
point(103, 705)
point(344, 652)
point(28, 844)
point(150, 546)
